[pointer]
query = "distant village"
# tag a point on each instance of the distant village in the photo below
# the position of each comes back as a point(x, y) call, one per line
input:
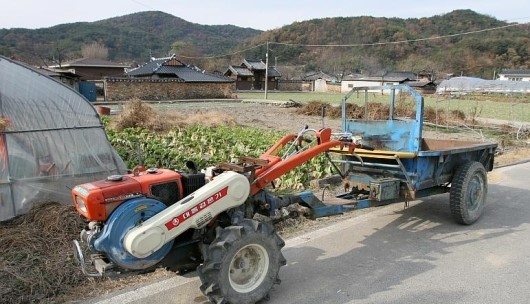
point(169, 78)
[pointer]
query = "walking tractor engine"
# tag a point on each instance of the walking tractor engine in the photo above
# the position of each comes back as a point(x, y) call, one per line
point(135, 219)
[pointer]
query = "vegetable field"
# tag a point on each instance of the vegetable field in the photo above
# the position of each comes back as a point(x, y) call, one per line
point(207, 146)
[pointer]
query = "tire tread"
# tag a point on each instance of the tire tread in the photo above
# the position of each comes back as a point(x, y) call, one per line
point(458, 192)
point(210, 271)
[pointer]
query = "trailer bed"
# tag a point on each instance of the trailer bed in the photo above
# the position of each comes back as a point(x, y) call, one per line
point(402, 165)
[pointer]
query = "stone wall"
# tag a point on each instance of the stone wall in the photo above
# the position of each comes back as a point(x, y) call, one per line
point(333, 87)
point(117, 89)
point(295, 85)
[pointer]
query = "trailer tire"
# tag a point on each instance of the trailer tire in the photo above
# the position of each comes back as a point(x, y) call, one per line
point(241, 265)
point(469, 189)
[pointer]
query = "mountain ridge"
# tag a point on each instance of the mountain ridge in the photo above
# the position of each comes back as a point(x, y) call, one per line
point(385, 43)
point(403, 44)
point(130, 37)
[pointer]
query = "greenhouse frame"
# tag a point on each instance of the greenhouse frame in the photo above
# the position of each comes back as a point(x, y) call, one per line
point(51, 139)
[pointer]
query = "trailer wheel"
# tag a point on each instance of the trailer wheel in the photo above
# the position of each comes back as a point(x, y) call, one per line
point(469, 188)
point(242, 263)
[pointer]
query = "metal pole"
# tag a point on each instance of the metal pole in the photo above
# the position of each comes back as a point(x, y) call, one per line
point(392, 103)
point(366, 104)
point(266, 69)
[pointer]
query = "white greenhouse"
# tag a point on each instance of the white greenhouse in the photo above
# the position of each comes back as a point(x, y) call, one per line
point(51, 138)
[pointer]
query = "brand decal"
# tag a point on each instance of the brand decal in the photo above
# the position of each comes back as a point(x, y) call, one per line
point(122, 197)
point(177, 220)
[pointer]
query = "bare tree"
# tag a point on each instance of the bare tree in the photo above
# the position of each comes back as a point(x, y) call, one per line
point(95, 50)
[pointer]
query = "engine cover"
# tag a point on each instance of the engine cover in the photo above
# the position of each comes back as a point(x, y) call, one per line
point(97, 200)
point(127, 216)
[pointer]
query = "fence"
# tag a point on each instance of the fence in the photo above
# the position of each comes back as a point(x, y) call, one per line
point(511, 110)
point(502, 113)
point(508, 115)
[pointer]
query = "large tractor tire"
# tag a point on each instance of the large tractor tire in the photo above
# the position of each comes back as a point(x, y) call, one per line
point(242, 263)
point(469, 189)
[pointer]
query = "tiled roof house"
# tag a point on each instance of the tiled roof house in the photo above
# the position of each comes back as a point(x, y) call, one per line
point(171, 67)
point(250, 75)
point(91, 68)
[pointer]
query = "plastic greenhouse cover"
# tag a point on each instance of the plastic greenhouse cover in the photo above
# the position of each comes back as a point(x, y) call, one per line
point(470, 84)
point(51, 139)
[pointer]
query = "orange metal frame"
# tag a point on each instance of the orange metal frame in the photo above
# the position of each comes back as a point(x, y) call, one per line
point(102, 197)
point(278, 166)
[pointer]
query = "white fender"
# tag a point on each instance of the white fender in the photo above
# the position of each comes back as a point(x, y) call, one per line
point(226, 191)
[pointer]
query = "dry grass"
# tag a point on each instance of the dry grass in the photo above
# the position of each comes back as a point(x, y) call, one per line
point(137, 114)
point(209, 119)
point(36, 260)
point(37, 263)
point(378, 111)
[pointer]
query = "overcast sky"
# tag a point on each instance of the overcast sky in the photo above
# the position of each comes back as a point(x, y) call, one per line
point(263, 15)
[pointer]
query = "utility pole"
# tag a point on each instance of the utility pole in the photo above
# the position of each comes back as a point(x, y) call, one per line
point(266, 69)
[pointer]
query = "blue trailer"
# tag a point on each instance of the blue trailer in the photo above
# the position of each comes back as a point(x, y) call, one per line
point(398, 165)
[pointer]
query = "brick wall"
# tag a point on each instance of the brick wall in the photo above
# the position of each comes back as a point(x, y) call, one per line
point(117, 89)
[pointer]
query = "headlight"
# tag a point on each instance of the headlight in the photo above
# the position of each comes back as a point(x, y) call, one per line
point(80, 204)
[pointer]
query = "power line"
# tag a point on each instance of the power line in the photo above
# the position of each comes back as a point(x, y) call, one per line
point(400, 41)
point(144, 5)
point(225, 55)
point(362, 44)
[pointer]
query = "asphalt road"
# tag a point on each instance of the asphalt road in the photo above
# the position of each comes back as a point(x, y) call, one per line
point(397, 255)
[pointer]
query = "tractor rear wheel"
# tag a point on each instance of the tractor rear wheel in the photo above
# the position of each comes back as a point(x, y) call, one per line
point(469, 188)
point(242, 263)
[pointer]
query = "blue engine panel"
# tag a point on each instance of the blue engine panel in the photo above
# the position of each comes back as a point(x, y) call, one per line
point(127, 216)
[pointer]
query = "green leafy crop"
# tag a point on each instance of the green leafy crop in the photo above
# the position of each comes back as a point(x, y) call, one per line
point(207, 146)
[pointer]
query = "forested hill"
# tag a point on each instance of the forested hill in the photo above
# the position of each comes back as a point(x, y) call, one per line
point(137, 36)
point(127, 38)
point(476, 54)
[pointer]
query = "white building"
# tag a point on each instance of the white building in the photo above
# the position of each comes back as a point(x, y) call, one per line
point(515, 75)
point(348, 84)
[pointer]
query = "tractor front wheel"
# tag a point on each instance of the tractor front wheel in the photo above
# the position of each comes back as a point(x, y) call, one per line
point(242, 263)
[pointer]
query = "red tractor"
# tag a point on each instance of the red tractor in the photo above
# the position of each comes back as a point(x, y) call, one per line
point(163, 218)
